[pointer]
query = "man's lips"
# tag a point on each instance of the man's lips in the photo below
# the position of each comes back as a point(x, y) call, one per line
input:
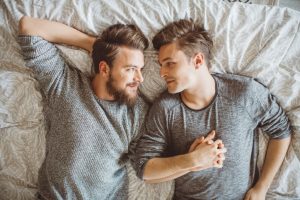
point(169, 81)
point(133, 85)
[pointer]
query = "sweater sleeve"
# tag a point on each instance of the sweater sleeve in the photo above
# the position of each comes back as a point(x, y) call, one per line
point(44, 59)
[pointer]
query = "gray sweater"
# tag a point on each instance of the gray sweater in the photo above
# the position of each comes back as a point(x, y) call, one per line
point(88, 139)
point(240, 107)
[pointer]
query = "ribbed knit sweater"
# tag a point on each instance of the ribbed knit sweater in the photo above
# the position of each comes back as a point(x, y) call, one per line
point(88, 139)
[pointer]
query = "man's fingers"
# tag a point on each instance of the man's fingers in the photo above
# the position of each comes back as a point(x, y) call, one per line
point(218, 164)
point(195, 143)
point(210, 136)
point(220, 146)
point(220, 151)
point(201, 139)
point(218, 142)
point(210, 142)
point(221, 156)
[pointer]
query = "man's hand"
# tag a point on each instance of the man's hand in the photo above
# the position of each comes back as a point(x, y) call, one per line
point(204, 153)
point(218, 162)
point(209, 139)
point(256, 193)
point(275, 154)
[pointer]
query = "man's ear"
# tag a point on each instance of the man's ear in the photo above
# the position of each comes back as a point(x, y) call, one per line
point(104, 68)
point(198, 60)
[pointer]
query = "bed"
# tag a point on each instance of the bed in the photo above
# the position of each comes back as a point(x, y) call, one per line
point(249, 39)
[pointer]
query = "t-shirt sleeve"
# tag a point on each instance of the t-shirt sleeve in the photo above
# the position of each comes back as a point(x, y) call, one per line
point(44, 59)
point(270, 117)
point(154, 141)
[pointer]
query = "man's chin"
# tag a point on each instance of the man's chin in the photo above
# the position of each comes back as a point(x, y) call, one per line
point(172, 91)
point(132, 94)
point(131, 101)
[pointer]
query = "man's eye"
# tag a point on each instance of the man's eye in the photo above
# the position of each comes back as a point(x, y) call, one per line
point(169, 64)
point(131, 69)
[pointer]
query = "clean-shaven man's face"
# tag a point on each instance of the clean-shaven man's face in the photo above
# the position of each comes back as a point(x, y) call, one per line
point(176, 68)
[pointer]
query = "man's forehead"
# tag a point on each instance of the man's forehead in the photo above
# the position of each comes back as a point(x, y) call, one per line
point(128, 51)
point(167, 52)
point(126, 62)
point(130, 57)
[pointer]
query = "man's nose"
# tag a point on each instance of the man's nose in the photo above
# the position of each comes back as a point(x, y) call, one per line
point(162, 72)
point(138, 76)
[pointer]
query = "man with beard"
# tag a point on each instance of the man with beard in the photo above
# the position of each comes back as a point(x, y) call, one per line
point(91, 121)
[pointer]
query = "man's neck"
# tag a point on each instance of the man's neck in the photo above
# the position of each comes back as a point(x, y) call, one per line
point(202, 94)
point(99, 88)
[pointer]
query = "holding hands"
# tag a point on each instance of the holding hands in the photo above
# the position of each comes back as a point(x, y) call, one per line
point(206, 153)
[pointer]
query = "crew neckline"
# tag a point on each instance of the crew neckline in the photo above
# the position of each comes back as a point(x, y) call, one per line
point(210, 104)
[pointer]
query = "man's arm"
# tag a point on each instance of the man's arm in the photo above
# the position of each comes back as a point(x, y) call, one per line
point(205, 155)
point(275, 154)
point(209, 140)
point(169, 178)
point(55, 32)
point(42, 56)
point(181, 173)
point(273, 121)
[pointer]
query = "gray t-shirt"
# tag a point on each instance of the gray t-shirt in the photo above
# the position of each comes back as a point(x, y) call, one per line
point(88, 139)
point(241, 106)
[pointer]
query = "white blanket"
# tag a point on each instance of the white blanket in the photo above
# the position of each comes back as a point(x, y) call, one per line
point(251, 40)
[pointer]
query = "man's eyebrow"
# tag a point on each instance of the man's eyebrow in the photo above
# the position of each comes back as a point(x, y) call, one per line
point(165, 59)
point(128, 66)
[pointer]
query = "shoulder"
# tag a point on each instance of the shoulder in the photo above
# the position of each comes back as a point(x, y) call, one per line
point(166, 101)
point(237, 86)
point(142, 104)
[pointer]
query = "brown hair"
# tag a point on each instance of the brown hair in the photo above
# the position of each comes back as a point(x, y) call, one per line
point(190, 37)
point(107, 45)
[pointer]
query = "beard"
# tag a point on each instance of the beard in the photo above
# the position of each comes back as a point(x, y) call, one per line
point(120, 94)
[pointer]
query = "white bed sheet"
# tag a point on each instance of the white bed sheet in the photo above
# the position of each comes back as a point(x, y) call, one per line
point(253, 40)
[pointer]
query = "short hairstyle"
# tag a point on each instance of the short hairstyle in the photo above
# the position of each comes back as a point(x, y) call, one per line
point(190, 37)
point(107, 44)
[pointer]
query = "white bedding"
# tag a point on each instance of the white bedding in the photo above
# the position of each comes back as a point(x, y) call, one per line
point(252, 40)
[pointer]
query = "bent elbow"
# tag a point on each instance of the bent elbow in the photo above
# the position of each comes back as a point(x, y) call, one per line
point(23, 25)
point(30, 26)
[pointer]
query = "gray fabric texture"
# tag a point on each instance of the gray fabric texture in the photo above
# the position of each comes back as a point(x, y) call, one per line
point(241, 106)
point(88, 139)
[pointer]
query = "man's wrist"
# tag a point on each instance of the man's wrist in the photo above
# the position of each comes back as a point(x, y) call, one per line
point(181, 162)
point(262, 185)
point(90, 43)
point(190, 162)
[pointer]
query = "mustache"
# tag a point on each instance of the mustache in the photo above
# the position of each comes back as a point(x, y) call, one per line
point(133, 84)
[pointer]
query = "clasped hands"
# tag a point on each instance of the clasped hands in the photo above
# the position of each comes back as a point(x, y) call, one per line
point(207, 153)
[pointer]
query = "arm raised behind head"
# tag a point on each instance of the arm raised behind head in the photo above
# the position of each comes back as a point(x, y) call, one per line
point(55, 32)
